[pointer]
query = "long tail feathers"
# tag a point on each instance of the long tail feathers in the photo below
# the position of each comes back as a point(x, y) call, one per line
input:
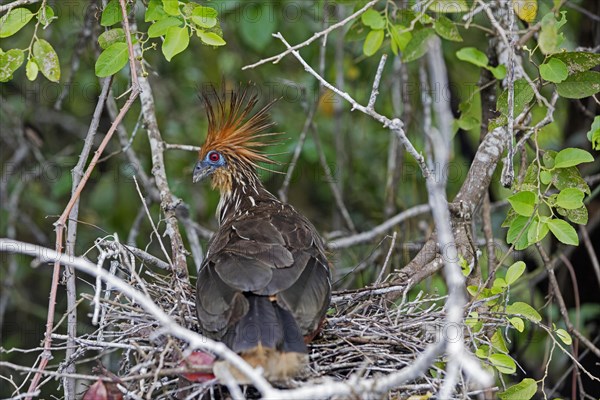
point(268, 337)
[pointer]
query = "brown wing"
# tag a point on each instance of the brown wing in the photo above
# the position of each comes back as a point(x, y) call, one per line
point(272, 252)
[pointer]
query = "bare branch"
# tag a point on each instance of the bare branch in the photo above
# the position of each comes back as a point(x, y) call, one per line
point(60, 224)
point(316, 36)
point(458, 357)
point(395, 124)
point(591, 252)
point(376, 80)
point(184, 147)
point(17, 3)
point(508, 172)
point(297, 150)
point(562, 305)
point(77, 172)
point(332, 183)
point(379, 230)
point(162, 246)
point(195, 340)
point(157, 146)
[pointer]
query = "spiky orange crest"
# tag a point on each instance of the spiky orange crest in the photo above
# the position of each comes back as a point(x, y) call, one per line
point(233, 131)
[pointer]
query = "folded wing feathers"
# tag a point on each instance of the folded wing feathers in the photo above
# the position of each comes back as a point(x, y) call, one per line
point(272, 254)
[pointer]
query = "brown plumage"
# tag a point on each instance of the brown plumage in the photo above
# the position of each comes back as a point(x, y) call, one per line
point(264, 286)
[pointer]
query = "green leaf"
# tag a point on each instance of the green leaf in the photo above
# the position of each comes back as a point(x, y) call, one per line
point(545, 177)
point(155, 11)
point(554, 70)
point(111, 13)
point(211, 38)
point(472, 321)
point(548, 158)
point(514, 272)
point(373, 42)
point(523, 202)
point(483, 351)
point(176, 40)
point(563, 231)
point(511, 215)
point(204, 17)
point(530, 182)
point(467, 122)
point(576, 216)
point(31, 69)
point(525, 310)
point(517, 323)
point(578, 61)
point(595, 139)
point(570, 198)
point(9, 63)
point(13, 21)
point(523, 95)
point(112, 60)
point(516, 230)
point(550, 39)
point(571, 156)
point(593, 134)
point(523, 390)
point(373, 19)
point(447, 29)
point(499, 72)
point(417, 47)
point(188, 9)
point(47, 60)
point(171, 7)
point(570, 177)
point(449, 6)
point(525, 9)
point(564, 336)
point(473, 56)
point(400, 37)
point(499, 285)
point(258, 25)
point(45, 16)
point(537, 231)
point(498, 342)
point(110, 37)
point(580, 85)
point(160, 28)
point(503, 363)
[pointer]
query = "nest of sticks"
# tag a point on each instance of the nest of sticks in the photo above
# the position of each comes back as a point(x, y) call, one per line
point(365, 336)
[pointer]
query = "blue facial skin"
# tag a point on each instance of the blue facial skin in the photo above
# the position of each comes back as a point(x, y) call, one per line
point(208, 165)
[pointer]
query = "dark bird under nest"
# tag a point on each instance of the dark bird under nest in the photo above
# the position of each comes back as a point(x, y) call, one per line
point(265, 284)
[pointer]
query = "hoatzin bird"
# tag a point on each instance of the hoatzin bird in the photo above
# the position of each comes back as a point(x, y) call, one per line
point(265, 285)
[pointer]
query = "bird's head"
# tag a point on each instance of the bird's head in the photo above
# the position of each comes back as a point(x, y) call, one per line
point(234, 138)
point(212, 161)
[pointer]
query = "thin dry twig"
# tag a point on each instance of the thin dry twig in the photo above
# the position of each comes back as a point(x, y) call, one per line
point(380, 229)
point(77, 172)
point(591, 252)
point(316, 36)
point(562, 305)
point(395, 342)
point(17, 3)
point(60, 223)
point(162, 246)
point(395, 124)
point(169, 203)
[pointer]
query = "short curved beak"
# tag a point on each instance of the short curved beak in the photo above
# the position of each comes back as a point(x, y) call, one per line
point(200, 172)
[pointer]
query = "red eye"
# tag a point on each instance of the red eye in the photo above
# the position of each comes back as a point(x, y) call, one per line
point(214, 156)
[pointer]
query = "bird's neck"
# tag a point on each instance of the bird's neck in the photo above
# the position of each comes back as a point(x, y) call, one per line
point(244, 193)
